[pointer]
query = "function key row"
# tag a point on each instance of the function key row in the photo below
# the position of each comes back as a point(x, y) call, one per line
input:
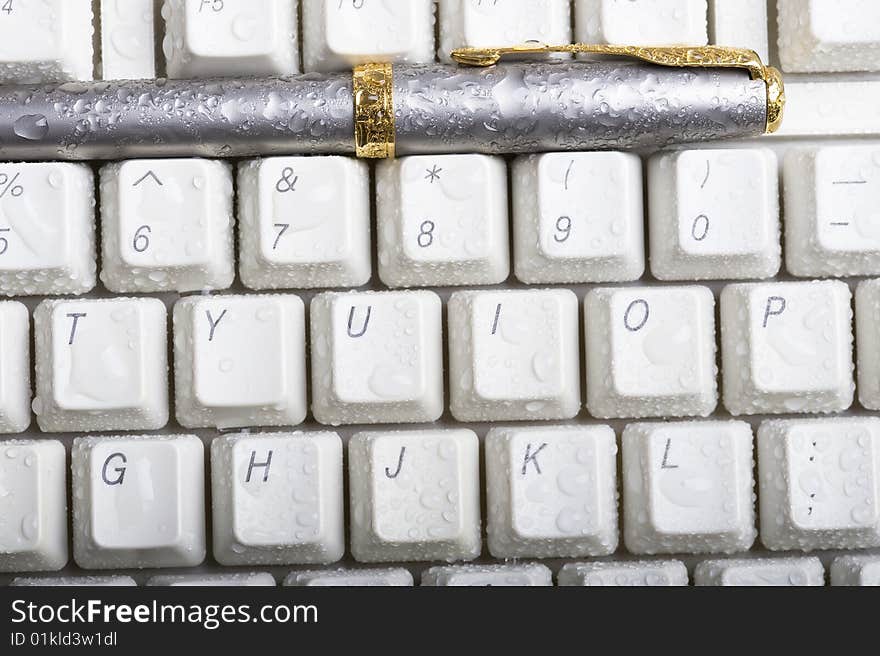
point(377, 357)
point(52, 40)
point(414, 495)
point(304, 222)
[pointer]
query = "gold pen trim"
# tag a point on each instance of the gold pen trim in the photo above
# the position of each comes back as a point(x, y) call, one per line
point(677, 56)
point(373, 88)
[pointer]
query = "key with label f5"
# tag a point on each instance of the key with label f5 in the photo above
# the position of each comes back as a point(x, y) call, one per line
point(212, 38)
point(101, 365)
point(277, 498)
point(138, 501)
point(787, 347)
point(414, 495)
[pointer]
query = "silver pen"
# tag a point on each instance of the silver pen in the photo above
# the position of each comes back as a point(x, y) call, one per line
point(642, 97)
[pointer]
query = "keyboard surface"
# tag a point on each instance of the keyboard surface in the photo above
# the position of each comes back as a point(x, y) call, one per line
point(594, 368)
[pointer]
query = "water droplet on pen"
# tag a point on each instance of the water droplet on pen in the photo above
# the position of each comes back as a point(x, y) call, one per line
point(31, 126)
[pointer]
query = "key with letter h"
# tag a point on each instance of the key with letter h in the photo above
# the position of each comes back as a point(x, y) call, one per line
point(277, 498)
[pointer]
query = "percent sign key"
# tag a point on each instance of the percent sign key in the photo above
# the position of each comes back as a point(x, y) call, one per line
point(9, 186)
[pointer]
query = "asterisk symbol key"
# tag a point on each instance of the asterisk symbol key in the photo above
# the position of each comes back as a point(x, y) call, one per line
point(433, 174)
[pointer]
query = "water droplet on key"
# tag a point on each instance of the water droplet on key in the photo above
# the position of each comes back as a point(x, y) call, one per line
point(29, 527)
point(31, 126)
point(226, 365)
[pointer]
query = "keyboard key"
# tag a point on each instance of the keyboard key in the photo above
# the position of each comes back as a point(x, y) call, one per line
point(138, 501)
point(578, 217)
point(47, 41)
point(415, 495)
point(341, 34)
point(714, 214)
point(761, 572)
point(76, 581)
point(277, 498)
point(641, 22)
point(650, 352)
point(624, 573)
point(15, 367)
point(830, 106)
point(377, 357)
point(101, 365)
point(552, 491)
point(740, 23)
point(47, 228)
point(840, 35)
point(240, 361)
point(128, 50)
point(488, 576)
point(868, 343)
point(341, 578)
point(489, 24)
point(832, 225)
point(786, 347)
point(304, 222)
point(167, 225)
point(819, 483)
point(213, 38)
point(251, 579)
point(688, 487)
point(33, 505)
point(442, 220)
point(862, 570)
point(514, 354)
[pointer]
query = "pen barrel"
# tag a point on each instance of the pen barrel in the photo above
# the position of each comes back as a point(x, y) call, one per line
point(505, 109)
point(304, 114)
point(532, 107)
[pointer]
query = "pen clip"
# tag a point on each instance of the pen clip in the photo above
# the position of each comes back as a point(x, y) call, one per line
point(674, 56)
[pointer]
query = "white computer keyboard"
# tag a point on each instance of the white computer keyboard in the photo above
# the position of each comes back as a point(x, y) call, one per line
point(582, 368)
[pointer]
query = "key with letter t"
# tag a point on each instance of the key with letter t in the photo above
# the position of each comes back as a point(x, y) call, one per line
point(101, 365)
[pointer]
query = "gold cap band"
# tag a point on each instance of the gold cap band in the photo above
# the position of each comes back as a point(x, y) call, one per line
point(373, 87)
point(679, 56)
